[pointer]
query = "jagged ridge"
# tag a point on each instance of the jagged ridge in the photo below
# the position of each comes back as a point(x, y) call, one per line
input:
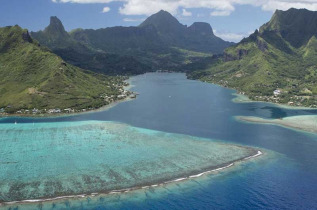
point(84, 56)
point(160, 41)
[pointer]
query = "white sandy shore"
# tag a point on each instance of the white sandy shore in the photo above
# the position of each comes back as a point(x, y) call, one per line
point(302, 122)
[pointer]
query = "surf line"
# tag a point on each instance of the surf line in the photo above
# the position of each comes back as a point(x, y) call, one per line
point(128, 189)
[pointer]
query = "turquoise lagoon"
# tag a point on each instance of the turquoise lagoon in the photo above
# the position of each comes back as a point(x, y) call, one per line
point(47, 160)
point(284, 178)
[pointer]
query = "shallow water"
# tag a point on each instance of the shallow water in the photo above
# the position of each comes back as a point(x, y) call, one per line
point(47, 160)
point(171, 103)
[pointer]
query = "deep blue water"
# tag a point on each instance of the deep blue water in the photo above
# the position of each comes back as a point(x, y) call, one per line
point(171, 103)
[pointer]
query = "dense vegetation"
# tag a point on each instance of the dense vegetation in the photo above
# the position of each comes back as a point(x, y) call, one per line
point(280, 57)
point(33, 77)
point(278, 63)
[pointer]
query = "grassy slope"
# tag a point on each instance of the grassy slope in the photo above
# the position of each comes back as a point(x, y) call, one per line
point(32, 77)
point(264, 62)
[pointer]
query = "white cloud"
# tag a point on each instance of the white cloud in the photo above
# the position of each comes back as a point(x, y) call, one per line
point(106, 9)
point(148, 7)
point(220, 13)
point(133, 19)
point(233, 37)
point(217, 7)
point(82, 1)
point(199, 15)
point(284, 5)
point(186, 13)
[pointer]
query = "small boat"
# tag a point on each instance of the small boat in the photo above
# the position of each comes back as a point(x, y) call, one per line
point(15, 122)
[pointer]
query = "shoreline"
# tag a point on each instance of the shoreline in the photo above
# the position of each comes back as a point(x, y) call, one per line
point(146, 186)
point(306, 123)
point(240, 98)
point(100, 109)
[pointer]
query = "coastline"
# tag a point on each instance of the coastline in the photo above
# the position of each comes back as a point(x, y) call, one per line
point(56, 115)
point(100, 109)
point(146, 186)
point(307, 123)
point(239, 98)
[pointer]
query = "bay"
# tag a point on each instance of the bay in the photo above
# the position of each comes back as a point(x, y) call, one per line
point(169, 102)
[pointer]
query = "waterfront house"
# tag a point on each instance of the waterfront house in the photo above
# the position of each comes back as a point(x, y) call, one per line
point(276, 92)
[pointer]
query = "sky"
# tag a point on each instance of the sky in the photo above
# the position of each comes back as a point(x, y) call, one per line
point(230, 19)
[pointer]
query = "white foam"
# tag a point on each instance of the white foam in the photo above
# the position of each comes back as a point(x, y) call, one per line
point(206, 172)
point(253, 156)
point(178, 180)
point(198, 175)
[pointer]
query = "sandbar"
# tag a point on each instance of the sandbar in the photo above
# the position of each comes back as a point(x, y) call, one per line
point(302, 122)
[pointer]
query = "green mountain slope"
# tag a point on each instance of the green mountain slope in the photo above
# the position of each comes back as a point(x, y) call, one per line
point(160, 41)
point(33, 77)
point(81, 55)
point(296, 26)
point(273, 58)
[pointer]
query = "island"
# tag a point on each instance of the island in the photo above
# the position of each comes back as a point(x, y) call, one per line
point(49, 161)
point(302, 122)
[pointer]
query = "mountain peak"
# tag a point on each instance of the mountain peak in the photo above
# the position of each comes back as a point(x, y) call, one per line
point(53, 35)
point(296, 26)
point(163, 12)
point(290, 16)
point(56, 28)
point(201, 28)
point(55, 21)
point(164, 22)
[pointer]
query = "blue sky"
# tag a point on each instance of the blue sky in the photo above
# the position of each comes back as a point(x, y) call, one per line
point(230, 19)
